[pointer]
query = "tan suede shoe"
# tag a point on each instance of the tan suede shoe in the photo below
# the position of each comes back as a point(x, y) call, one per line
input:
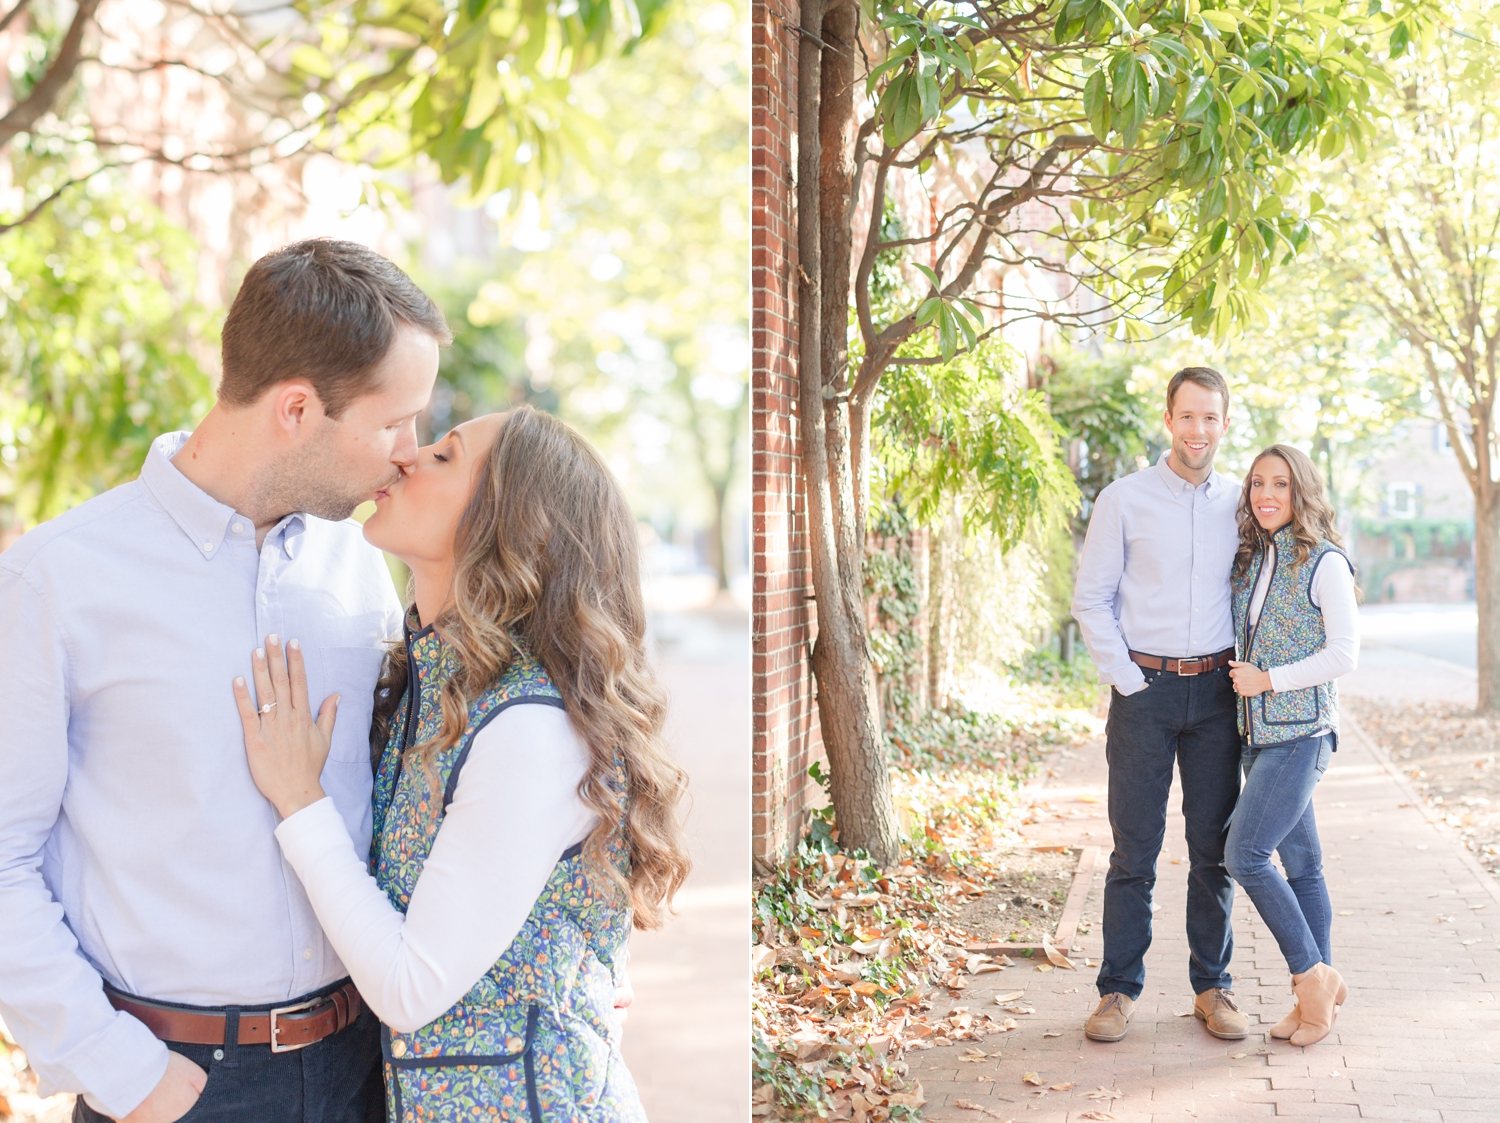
point(1318, 992)
point(1107, 1023)
point(1288, 1025)
point(1220, 1016)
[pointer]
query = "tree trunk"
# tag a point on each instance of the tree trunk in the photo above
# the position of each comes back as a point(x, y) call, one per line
point(858, 773)
point(720, 553)
point(1487, 596)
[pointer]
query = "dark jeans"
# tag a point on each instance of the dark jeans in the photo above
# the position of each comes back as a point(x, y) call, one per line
point(1189, 720)
point(336, 1080)
point(1275, 812)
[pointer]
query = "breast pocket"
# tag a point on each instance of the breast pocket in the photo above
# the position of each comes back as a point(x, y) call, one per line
point(351, 673)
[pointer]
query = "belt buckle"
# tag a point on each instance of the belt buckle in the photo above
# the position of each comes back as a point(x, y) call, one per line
point(1197, 665)
point(277, 1047)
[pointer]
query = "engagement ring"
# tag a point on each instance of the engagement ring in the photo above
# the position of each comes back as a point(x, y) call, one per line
point(268, 707)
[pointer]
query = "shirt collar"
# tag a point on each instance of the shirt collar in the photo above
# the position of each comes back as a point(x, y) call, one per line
point(1177, 485)
point(200, 516)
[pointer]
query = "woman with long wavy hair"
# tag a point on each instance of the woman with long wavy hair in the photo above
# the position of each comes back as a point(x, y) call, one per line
point(525, 811)
point(1294, 604)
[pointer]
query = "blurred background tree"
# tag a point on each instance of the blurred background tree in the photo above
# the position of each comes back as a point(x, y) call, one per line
point(603, 278)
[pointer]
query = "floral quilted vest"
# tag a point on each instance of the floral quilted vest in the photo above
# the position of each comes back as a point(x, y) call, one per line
point(1289, 628)
point(536, 1039)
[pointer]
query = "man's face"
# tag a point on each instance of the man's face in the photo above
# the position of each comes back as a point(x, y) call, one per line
point(337, 464)
point(1197, 422)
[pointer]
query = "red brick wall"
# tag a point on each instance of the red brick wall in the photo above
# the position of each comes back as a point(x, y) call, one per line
point(785, 729)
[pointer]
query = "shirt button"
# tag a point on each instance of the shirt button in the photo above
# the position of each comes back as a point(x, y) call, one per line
point(218, 1054)
point(208, 545)
point(307, 953)
point(237, 527)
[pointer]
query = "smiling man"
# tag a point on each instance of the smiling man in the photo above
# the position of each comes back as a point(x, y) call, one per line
point(1153, 602)
point(159, 956)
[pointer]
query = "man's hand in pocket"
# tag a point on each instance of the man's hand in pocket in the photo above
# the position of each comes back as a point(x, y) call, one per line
point(174, 1095)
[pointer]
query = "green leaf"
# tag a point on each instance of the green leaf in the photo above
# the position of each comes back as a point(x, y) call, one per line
point(1200, 97)
point(1216, 241)
point(927, 272)
point(1400, 37)
point(310, 60)
point(928, 309)
point(1121, 78)
point(1094, 94)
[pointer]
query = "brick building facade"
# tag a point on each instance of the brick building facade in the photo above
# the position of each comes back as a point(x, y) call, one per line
point(785, 728)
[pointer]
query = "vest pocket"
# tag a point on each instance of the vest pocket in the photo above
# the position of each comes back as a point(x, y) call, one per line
point(1295, 707)
point(500, 1080)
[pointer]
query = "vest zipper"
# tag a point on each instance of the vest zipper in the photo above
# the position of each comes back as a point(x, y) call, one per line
point(1251, 629)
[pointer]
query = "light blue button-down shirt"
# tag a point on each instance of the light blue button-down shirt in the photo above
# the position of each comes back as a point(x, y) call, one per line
point(1154, 575)
point(133, 843)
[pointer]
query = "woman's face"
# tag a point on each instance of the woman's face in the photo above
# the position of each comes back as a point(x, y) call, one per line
point(1271, 492)
point(416, 518)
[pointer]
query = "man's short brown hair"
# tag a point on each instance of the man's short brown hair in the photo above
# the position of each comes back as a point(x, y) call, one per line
point(1206, 377)
point(321, 310)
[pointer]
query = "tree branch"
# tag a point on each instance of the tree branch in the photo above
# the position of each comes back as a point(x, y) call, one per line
point(13, 13)
point(45, 93)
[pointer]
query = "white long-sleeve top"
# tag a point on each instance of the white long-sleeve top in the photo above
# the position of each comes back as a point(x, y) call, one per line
point(1332, 593)
point(514, 812)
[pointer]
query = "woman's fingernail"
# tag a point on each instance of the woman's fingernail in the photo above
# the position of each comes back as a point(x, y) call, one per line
point(260, 653)
point(294, 645)
point(273, 638)
point(239, 682)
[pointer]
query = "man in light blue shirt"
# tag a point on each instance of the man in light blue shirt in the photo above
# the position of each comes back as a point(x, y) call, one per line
point(156, 953)
point(1152, 602)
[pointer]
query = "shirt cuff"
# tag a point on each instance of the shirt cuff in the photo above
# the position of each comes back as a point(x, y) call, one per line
point(125, 1064)
point(1277, 676)
point(1129, 679)
point(317, 827)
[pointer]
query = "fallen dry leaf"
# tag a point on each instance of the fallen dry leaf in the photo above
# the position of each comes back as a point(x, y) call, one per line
point(1063, 1087)
point(1182, 1013)
point(1009, 996)
point(1237, 1056)
point(1096, 1115)
point(1032, 1078)
point(1055, 957)
point(1044, 966)
point(915, 1098)
point(762, 959)
point(1346, 912)
point(1054, 1033)
point(1103, 1093)
point(1018, 1008)
point(970, 1105)
point(4, 1107)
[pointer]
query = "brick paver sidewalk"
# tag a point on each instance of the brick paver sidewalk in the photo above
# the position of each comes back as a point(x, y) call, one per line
point(1416, 934)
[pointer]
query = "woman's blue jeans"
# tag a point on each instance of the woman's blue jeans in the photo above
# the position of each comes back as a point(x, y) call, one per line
point(1275, 812)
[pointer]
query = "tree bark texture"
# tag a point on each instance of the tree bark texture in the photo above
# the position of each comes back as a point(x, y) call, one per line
point(1487, 597)
point(847, 704)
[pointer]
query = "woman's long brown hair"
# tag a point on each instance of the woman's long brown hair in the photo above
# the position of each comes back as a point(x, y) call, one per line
point(546, 553)
point(1312, 515)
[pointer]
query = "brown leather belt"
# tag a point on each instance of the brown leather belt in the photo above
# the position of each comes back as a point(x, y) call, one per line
point(284, 1029)
point(1200, 664)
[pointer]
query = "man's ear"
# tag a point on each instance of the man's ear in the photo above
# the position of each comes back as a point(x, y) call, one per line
point(296, 407)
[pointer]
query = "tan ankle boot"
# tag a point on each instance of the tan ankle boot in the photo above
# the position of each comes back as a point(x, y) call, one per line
point(1287, 1026)
point(1318, 992)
